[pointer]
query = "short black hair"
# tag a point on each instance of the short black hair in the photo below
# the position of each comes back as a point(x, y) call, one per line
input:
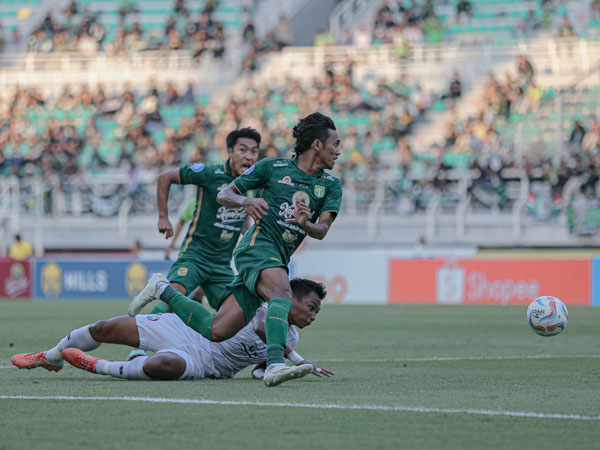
point(314, 126)
point(248, 132)
point(301, 287)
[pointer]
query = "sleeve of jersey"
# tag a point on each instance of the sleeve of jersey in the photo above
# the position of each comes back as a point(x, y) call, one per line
point(292, 337)
point(255, 177)
point(333, 200)
point(196, 174)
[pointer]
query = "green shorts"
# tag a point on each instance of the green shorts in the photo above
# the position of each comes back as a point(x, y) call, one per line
point(247, 301)
point(191, 273)
point(250, 261)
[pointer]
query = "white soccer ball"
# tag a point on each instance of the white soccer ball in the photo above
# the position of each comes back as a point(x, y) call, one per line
point(547, 315)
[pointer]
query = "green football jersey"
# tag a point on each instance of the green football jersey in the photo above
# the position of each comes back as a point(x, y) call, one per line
point(280, 182)
point(215, 229)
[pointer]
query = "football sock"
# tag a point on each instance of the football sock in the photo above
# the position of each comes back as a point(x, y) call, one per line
point(160, 288)
point(276, 329)
point(130, 370)
point(167, 293)
point(79, 338)
point(193, 314)
point(160, 308)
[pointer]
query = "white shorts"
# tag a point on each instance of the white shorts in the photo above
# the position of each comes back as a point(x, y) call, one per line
point(163, 333)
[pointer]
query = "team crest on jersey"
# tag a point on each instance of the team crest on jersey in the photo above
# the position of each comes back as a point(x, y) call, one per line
point(182, 271)
point(198, 167)
point(319, 191)
point(286, 180)
point(153, 317)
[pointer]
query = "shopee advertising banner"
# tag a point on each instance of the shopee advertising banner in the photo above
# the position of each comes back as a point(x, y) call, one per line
point(15, 278)
point(489, 281)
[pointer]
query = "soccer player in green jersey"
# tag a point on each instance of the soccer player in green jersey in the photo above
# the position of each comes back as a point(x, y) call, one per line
point(296, 198)
point(205, 254)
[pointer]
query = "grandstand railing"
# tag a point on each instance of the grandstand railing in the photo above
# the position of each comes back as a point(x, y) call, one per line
point(548, 55)
point(453, 213)
point(54, 69)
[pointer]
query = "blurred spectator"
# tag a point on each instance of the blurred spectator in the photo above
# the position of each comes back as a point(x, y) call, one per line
point(454, 90)
point(464, 11)
point(577, 135)
point(324, 38)
point(595, 9)
point(565, 29)
point(283, 33)
point(20, 249)
point(530, 23)
point(525, 71)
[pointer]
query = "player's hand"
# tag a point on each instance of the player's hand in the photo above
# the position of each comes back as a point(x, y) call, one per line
point(256, 207)
point(301, 213)
point(165, 227)
point(318, 371)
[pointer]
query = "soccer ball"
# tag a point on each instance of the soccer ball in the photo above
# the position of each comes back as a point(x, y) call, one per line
point(547, 316)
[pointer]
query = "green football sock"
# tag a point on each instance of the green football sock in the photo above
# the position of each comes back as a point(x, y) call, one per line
point(276, 329)
point(193, 314)
point(160, 308)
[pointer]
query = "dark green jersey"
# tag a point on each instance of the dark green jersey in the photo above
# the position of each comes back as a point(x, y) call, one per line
point(280, 182)
point(215, 229)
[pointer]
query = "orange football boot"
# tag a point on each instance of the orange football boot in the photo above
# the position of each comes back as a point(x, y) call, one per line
point(33, 360)
point(80, 359)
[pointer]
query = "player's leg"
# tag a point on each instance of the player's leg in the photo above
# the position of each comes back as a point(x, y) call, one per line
point(273, 283)
point(161, 307)
point(119, 330)
point(224, 324)
point(160, 366)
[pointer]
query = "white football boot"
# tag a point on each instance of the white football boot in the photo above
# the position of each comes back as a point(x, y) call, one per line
point(147, 295)
point(278, 373)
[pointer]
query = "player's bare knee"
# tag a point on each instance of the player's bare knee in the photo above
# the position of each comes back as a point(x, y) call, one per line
point(100, 330)
point(164, 366)
point(218, 335)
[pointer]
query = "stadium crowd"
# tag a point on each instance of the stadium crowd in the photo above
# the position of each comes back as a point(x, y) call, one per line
point(83, 30)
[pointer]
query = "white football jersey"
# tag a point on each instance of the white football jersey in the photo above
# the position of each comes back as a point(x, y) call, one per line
point(243, 350)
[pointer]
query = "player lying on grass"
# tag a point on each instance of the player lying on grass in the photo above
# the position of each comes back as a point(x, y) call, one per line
point(181, 353)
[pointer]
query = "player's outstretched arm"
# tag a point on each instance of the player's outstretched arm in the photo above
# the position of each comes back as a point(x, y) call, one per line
point(314, 230)
point(255, 207)
point(163, 187)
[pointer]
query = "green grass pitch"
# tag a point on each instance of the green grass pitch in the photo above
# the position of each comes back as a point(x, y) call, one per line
point(411, 377)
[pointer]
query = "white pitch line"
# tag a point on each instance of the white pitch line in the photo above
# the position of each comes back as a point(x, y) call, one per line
point(190, 401)
point(430, 359)
point(456, 358)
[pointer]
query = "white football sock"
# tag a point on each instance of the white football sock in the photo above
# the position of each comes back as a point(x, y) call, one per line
point(102, 367)
point(79, 338)
point(131, 370)
point(160, 288)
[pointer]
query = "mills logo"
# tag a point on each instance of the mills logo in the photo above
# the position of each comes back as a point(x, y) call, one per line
point(52, 279)
point(17, 283)
point(136, 276)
